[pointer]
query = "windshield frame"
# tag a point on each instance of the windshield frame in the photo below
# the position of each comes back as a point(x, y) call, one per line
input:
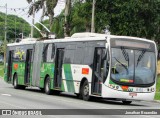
point(132, 84)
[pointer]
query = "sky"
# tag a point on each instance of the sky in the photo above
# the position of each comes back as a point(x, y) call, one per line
point(14, 5)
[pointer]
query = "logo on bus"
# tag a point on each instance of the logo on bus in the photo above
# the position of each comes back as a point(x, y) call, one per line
point(85, 71)
point(20, 53)
point(15, 66)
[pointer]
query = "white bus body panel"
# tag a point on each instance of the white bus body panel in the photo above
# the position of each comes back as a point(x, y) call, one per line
point(111, 93)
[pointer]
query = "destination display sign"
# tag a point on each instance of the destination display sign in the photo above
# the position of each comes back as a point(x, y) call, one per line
point(131, 43)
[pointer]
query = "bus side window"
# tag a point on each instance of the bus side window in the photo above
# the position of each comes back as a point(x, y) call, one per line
point(69, 56)
point(50, 53)
point(79, 55)
point(45, 53)
point(89, 55)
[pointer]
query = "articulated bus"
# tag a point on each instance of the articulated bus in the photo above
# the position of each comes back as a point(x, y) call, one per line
point(86, 64)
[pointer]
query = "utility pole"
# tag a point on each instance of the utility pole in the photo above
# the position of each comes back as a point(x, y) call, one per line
point(5, 36)
point(93, 17)
point(32, 28)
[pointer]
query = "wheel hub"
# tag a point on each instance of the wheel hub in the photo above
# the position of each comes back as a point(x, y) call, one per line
point(86, 90)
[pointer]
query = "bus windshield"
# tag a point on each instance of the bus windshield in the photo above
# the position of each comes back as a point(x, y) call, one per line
point(133, 66)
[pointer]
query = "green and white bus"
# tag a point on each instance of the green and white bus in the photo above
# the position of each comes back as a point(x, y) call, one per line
point(87, 64)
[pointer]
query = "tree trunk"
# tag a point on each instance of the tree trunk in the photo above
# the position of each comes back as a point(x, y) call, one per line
point(88, 28)
point(67, 15)
point(50, 21)
point(51, 4)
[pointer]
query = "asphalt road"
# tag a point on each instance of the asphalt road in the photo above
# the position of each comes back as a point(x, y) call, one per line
point(33, 98)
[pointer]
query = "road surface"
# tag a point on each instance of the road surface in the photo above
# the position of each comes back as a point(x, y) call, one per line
point(33, 98)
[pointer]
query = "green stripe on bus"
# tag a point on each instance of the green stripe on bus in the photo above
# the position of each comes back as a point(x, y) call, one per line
point(69, 78)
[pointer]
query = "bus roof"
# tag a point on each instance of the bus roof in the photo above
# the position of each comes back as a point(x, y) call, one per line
point(82, 37)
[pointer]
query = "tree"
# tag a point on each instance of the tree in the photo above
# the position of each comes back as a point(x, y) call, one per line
point(80, 18)
point(48, 9)
point(1, 49)
point(14, 28)
point(128, 17)
point(67, 18)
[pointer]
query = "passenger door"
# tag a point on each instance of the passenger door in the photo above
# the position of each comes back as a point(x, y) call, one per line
point(28, 66)
point(10, 64)
point(58, 68)
point(98, 66)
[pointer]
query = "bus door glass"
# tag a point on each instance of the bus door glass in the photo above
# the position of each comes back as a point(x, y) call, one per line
point(28, 66)
point(58, 68)
point(98, 72)
point(10, 64)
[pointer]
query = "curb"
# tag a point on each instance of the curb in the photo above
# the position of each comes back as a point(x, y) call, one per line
point(158, 101)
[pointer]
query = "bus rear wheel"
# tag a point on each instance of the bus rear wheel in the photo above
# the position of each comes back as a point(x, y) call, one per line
point(85, 91)
point(126, 102)
point(47, 86)
point(15, 82)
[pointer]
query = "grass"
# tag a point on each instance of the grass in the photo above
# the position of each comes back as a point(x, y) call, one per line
point(1, 70)
point(157, 96)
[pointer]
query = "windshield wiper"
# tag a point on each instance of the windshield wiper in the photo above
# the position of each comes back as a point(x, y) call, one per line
point(140, 56)
point(122, 65)
point(125, 54)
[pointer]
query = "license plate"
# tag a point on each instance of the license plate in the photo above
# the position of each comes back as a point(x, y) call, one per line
point(132, 94)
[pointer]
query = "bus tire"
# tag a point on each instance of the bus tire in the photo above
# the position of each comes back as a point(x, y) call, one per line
point(85, 91)
point(126, 102)
point(56, 92)
point(47, 86)
point(79, 95)
point(22, 87)
point(41, 89)
point(15, 82)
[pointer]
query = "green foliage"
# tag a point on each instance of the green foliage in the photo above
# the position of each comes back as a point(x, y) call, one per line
point(128, 17)
point(139, 18)
point(47, 7)
point(157, 96)
point(1, 70)
point(14, 24)
point(81, 17)
point(1, 49)
point(58, 27)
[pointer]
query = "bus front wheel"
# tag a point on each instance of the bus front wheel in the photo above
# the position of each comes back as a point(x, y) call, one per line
point(48, 91)
point(85, 91)
point(126, 102)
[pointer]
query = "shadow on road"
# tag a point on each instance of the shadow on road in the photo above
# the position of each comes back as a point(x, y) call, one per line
point(73, 96)
point(103, 101)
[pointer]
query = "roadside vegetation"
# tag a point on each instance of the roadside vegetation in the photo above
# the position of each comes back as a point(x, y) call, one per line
point(157, 96)
point(1, 70)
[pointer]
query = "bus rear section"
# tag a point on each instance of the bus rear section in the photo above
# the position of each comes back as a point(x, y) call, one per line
point(18, 67)
point(132, 74)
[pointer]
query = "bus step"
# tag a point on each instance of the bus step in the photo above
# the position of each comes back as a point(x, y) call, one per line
point(97, 94)
point(57, 88)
